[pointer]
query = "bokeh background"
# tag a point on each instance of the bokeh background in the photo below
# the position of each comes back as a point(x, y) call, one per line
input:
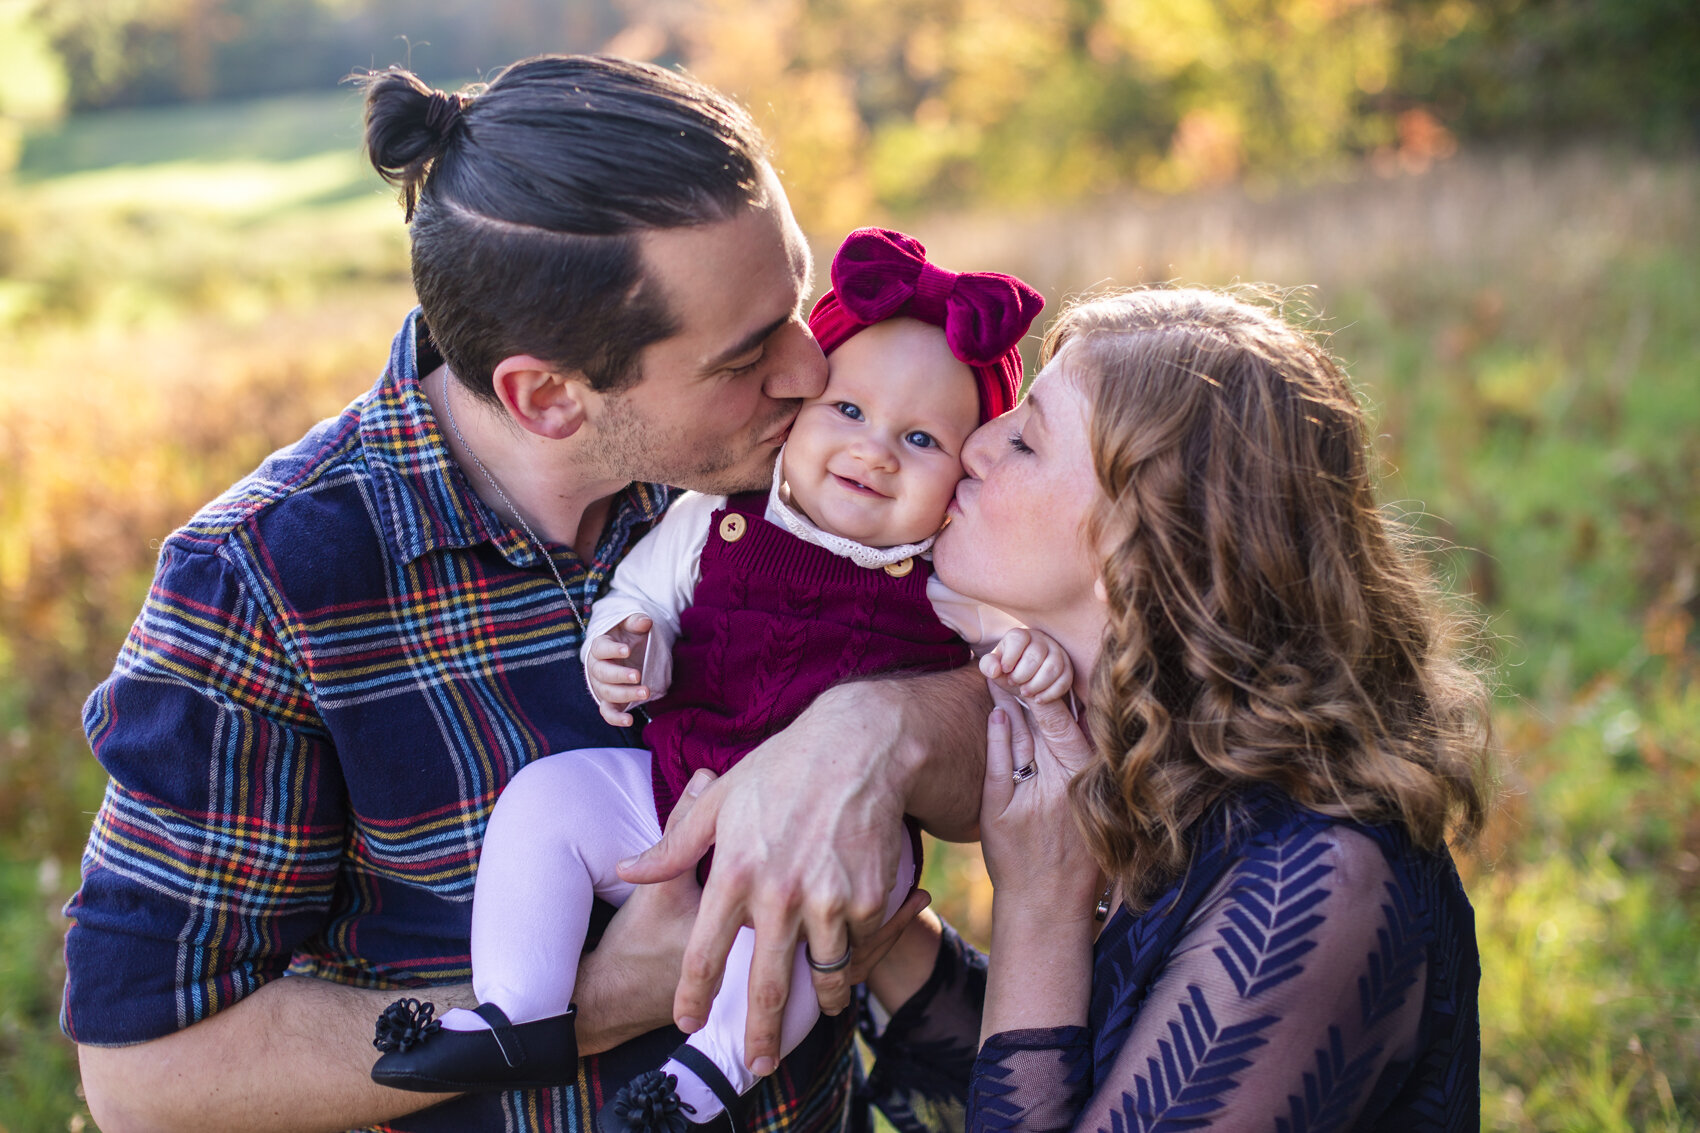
point(1495, 205)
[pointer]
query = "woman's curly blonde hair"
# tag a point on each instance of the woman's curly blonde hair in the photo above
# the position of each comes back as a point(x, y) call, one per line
point(1268, 623)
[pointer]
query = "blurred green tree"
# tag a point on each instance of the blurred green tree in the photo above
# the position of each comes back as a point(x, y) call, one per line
point(1009, 101)
point(139, 52)
point(1629, 68)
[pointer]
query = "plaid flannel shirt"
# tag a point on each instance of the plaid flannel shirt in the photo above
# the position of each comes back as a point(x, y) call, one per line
point(340, 663)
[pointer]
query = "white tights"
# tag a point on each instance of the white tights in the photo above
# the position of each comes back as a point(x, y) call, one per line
point(553, 839)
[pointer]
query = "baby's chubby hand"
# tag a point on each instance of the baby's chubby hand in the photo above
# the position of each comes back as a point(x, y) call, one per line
point(615, 669)
point(1030, 665)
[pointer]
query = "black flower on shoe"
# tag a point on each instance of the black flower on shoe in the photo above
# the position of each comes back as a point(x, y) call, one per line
point(405, 1024)
point(650, 1104)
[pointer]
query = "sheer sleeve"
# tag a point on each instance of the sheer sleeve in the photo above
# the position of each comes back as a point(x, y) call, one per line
point(923, 1055)
point(980, 625)
point(1294, 985)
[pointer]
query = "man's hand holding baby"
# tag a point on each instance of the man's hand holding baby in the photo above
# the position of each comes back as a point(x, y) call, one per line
point(616, 667)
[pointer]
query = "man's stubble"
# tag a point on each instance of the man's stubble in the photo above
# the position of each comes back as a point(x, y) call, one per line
point(638, 449)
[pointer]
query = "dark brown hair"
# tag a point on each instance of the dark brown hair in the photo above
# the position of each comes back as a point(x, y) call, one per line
point(1268, 622)
point(525, 197)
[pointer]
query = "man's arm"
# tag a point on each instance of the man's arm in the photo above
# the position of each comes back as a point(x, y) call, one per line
point(941, 748)
point(294, 1056)
point(244, 1067)
point(806, 829)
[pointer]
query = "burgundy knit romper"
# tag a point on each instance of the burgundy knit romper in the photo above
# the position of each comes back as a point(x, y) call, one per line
point(775, 621)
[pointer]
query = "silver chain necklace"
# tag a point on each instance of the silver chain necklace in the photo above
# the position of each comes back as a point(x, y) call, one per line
point(537, 544)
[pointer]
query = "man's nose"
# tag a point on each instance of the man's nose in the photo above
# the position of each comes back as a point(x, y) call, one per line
point(800, 370)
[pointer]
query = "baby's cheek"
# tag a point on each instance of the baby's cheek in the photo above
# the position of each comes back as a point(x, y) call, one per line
point(941, 486)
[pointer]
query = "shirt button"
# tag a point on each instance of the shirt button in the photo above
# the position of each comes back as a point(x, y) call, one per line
point(899, 569)
point(732, 527)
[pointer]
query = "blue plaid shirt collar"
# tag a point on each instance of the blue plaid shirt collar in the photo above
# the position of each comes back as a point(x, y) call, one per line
point(425, 502)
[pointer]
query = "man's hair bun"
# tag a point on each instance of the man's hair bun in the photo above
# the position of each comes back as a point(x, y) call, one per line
point(525, 197)
point(409, 124)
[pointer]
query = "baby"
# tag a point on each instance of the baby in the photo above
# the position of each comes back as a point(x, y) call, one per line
point(728, 618)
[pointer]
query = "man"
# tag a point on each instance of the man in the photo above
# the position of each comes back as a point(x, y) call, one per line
point(344, 658)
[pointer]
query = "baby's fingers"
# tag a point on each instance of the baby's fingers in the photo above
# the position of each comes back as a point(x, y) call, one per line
point(605, 647)
point(621, 694)
point(1052, 679)
point(1027, 666)
point(1013, 645)
point(608, 673)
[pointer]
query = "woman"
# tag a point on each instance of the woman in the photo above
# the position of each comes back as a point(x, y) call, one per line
point(1274, 744)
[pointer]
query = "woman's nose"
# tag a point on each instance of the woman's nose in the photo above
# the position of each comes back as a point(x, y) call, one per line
point(977, 450)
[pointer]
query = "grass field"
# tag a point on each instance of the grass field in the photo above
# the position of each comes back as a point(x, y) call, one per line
point(182, 291)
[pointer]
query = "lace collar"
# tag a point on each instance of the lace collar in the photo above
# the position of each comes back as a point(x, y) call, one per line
point(800, 526)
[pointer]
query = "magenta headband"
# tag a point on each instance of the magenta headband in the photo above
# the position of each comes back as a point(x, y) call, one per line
point(879, 274)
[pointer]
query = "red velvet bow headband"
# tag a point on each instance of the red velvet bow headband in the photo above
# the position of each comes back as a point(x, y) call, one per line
point(879, 274)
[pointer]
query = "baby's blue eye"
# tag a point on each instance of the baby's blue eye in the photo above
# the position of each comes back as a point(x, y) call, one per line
point(850, 410)
point(921, 440)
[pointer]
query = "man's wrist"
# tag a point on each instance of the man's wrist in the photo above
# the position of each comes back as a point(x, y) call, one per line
point(878, 711)
point(598, 1024)
point(617, 1000)
point(927, 743)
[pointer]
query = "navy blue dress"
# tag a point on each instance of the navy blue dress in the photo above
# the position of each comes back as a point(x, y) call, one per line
point(1305, 974)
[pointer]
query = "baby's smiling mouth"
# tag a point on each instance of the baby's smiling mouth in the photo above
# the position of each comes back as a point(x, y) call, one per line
point(858, 486)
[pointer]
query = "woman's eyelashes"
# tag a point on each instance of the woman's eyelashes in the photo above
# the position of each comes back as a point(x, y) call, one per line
point(1016, 443)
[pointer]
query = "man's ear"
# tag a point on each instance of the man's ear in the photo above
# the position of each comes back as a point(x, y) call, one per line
point(541, 398)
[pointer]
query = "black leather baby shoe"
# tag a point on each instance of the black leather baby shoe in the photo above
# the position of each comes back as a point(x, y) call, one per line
point(650, 1104)
point(419, 1054)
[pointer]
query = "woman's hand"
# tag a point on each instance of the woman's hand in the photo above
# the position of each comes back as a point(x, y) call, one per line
point(1033, 849)
point(1044, 882)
